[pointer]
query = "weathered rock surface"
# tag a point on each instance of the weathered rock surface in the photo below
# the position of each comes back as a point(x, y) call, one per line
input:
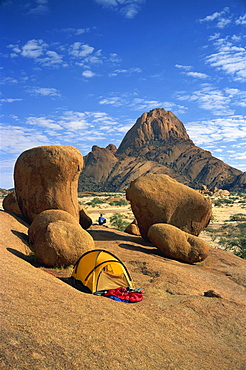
point(157, 143)
point(133, 228)
point(58, 239)
point(161, 199)
point(84, 218)
point(179, 325)
point(46, 177)
point(98, 165)
point(10, 203)
point(177, 244)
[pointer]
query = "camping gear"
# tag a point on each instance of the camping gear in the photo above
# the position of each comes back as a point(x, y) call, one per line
point(100, 270)
point(123, 294)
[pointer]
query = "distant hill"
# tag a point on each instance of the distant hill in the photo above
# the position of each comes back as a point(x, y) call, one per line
point(157, 143)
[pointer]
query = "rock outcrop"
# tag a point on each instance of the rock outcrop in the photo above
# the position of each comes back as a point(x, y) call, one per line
point(161, 199)
point(177, 244)
point(58, 239)
point(84, 218)
point(192, 317)
point(157, 143)
point(133, 228)
point(46, 177)
point(10, 203)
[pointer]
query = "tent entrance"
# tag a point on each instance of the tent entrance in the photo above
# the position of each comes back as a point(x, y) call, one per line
point(107, 281)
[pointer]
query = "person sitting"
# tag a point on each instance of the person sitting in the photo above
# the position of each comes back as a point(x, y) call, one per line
point(101, 220)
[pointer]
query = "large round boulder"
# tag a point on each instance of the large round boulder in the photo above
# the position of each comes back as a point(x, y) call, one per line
point(10, 203)
point(58, 239)
point(177, 244)
point(46, 177)
point(157, 198)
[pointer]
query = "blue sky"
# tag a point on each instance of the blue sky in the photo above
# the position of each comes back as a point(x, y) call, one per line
point(80, 72)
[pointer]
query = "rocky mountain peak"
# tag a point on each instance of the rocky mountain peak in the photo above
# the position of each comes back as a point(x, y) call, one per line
point(157, 143)
point(156, 125)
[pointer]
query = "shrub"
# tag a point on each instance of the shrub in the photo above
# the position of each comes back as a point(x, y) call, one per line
point(121, 202)
point(94, 202)
point(238, 217)
point(118, 220)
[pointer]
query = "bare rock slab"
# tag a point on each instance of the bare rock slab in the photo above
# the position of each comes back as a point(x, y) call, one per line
point(157, 198)
point(46, 177)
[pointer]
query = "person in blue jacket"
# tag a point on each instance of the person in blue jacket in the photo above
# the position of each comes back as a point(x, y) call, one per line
point(101, 220)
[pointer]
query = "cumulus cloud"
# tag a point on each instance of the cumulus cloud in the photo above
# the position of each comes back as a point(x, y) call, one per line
point(43, 122)
point(10, 100)
point(218, 101)
point(197, 75)
point(140, 104)
point(128, 8)
point(22, 138)
point(80, 50)
point(126, 72)
point(33, 48)
point(88, 74)
point(41, 8)
point(75, 31)
point(222, 19)
point(186, 68)
point(187, 71)
point(241, 20)
point(229, 58)
point(37, 50)
point(44, 91)
point(217, 130)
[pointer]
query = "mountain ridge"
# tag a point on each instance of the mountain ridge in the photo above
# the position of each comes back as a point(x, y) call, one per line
point(157, 143)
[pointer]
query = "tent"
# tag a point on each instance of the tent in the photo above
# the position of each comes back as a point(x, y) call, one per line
point(99, 270)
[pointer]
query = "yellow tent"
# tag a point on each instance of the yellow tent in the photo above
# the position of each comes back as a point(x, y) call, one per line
point(100, 270)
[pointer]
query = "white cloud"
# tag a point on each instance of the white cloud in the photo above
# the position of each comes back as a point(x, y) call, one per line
point(79, 50)
point(43, 122)
point(10, 100)
point(126, 72)
point(220, 18)
point(197, 75)
point(229, 58)
point(186, 68)
point(40, 9)
point(209, 98)
point(116, 101)
point(44, 91)
point(241, 20)
point(51, 59)
point(220, 129)
point(76, 31)
point(88, 74)
point(33, 48)
point(140, 104)
point(20, 139)
point(128, 8)
point(37, 50)
point(8, 80)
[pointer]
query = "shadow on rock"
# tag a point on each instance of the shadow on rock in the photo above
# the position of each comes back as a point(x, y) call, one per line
point(75, 284)
point(28, 258)
point(22, 236)
point(150, 250)
point(18, 217)
point(110, 235)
